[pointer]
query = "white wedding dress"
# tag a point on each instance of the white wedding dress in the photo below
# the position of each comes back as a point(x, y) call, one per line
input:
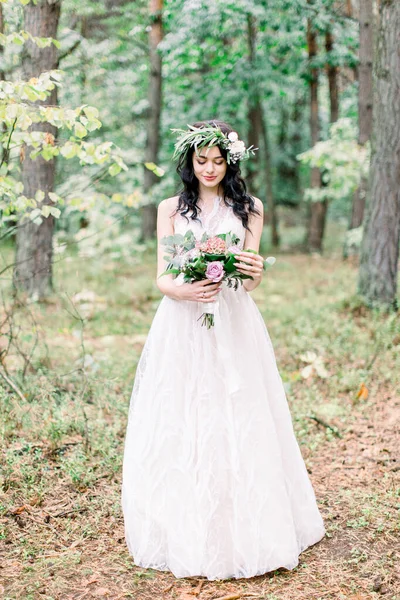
point(214, 483)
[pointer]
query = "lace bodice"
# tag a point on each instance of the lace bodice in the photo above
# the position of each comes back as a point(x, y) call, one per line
point(220, 219)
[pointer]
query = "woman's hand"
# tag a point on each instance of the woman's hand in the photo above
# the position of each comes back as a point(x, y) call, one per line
point(250, 264)
point(199, 291)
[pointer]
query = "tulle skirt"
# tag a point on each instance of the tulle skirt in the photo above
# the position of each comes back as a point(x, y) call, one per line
point(214, 483)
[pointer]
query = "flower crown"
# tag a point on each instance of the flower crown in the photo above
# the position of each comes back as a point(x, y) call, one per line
point(198, 137)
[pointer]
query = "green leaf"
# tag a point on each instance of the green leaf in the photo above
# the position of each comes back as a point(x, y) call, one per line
point(91, 112)
point(42, 42)
point(57, 74)
point(79, 130)
point(46, 210)
point(168, 271)
point(53, 197)
point(31, 93)
point(229, 264)
point(49, 153)
point(56, 212)
point(35, 214)
point(12, 111)
point(114, 169)
point(69, 150)
point(17, 39)
point(24, 122)
point(94, 124)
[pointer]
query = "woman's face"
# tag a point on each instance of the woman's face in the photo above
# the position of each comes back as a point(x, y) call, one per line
point(209, 166)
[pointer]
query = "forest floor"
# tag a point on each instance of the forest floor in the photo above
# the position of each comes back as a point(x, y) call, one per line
point(61, 526)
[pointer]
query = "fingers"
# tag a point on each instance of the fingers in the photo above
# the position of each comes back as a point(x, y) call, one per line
point(208, 295)
point(250, 259)
point(205, 299)
point(249, 263)
point(246, 268)
point(249, 270)
point(207, 283)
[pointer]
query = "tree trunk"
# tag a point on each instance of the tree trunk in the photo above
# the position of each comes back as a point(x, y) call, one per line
point(149, 210)
point(258, 128)
point(254, 112)
point(364, 100)
point(33, 270)
point(317, 210)
point(290, 145)
point(349, 8)
point(272, 214)
point(312, 53)
point(380, 245)
point(332, 73)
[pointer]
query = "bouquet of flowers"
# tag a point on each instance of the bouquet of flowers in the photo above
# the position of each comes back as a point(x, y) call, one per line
point(212, 257)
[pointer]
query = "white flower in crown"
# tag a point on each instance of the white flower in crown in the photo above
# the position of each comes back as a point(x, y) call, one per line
point(237, 147)
point(237, 150)
point(233, 136)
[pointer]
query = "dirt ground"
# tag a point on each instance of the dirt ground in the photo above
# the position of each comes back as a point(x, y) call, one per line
point(83, 555)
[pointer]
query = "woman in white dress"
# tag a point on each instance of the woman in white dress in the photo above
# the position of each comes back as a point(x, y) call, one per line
point(214, 483)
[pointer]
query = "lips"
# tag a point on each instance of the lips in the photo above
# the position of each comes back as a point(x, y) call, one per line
point(210, 178)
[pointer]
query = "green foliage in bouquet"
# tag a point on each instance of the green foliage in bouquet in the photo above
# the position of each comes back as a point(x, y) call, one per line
point(189, 260)
point(177, 245)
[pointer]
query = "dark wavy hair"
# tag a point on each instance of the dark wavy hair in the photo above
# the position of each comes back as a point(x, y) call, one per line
point(234, 187)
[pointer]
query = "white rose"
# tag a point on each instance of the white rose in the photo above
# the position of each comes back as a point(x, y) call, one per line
point(233, 136)
point(237, 147)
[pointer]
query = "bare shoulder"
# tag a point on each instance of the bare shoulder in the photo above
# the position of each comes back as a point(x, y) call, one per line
point(168, 206)
point(259, 206)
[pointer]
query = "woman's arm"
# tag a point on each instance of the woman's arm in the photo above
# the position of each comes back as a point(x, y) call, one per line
point(250, 263)
point(165, 227)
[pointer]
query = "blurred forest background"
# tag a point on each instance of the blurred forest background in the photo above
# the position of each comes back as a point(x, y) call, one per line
point(89, 92)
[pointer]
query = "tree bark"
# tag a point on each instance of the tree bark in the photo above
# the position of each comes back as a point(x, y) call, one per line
point(258, 129)
point(317, 210)
point(149, 210)
point(33, 269)
point(289, 144)
point(332, 73)
point(364, 100)
point(349, 8)
point(272, 214)
point(296, 143)
point(380, 244)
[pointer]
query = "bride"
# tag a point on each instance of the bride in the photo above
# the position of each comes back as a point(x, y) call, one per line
point(214, 483)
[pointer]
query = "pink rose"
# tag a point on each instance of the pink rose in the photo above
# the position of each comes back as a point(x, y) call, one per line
point(215, 271)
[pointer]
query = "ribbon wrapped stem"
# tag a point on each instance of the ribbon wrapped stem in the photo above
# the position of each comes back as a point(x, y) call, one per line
point(208, 316)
